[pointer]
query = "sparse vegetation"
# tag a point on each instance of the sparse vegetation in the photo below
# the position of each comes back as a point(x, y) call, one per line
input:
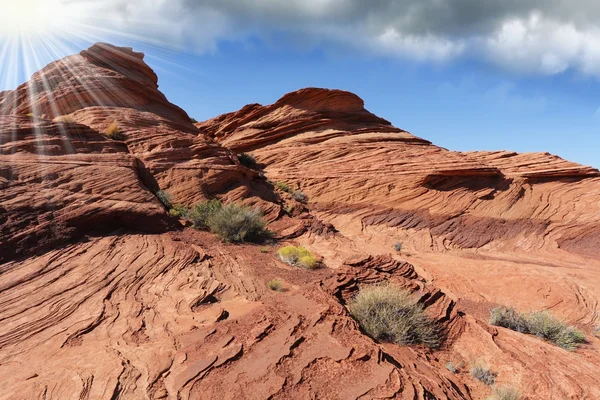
point(504, 393)
point(298, 257)
point(538, 323)
point(30, 115)
point(282, 186)
point(247, 160)
point(299, 196)
point(114, 132)
point(264, 250)
point(483, 373)
point(451, 367)
point(193, 120)
point(398, 247)
point(165, 199)
point(236, 223)
point(178, 211)
point(508, 317)
point(275, 284)
point(388, 313)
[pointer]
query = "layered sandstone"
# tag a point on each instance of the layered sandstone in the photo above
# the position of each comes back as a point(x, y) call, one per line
point(104, 295)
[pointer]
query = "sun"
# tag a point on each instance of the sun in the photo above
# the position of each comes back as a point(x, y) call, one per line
point(31, 17)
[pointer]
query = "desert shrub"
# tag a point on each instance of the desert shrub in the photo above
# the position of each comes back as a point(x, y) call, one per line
point(504, 393)
point(388, 313)
point(298, 257)
point(544, 325)
point(275, 285)
point(283, 186)
point(236, 223)
point(299, 196)
point(247, 160)
point(451, 367)
point(193, 120)
point(179, 211)
point(538, 323)
point(200, 213)
point(508, 318)
point(483, 373)
point(398, 246)
point(264, 250)
point(114, 132)
point(165, 198)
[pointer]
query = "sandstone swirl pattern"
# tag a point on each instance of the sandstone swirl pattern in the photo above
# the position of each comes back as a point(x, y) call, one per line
point(104, 295)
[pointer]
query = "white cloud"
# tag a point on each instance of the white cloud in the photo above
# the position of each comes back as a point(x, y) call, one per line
point(530, 36)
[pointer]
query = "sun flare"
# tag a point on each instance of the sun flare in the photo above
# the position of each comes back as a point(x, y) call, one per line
point(32, 17)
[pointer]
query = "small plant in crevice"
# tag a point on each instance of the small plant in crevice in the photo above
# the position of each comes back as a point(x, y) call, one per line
point(275, 285)
point(483, 373)
point(247, 160)
point(283, 186)
point(299, 196)
point(165, 199)
point(504, 393)
point(298, 256)
point(539, 323)
point(114, 132)
point(398, 247)
point(389, 313)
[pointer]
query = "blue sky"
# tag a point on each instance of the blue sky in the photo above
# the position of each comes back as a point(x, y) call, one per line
point(467, 75)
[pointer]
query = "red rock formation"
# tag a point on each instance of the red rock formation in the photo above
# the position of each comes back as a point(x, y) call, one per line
point(119, 313)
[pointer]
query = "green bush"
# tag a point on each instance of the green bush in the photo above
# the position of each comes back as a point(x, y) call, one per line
point(202, 212)
point(504, 393)
point(508, 318)
point(388, 313)
point(179, 211)
point(275, 284)
point(193, 120)
point(165, 198)
point(544, 325)
point(247, 160)
point(298, 257)
point(237, 223)
point(483, 373)
point(538, 323)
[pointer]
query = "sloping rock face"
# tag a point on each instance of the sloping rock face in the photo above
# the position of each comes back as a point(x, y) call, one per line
point(104, 295)
point(61, 175)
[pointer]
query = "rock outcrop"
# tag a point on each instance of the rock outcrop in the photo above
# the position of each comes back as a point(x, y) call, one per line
point(104, 295)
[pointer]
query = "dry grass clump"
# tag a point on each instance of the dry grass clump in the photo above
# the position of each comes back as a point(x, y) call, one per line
point(504, 393)
point(538, 323)
point(388, 313)
point(298, 257)
point(483, 373)
point(114, 132)
point(275, 285)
